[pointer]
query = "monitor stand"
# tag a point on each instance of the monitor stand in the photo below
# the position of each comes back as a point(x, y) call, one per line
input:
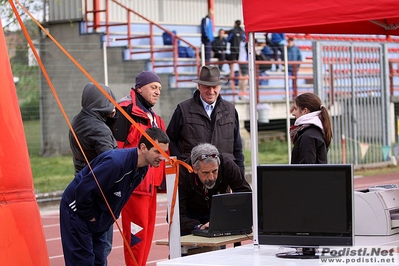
point(300, 253)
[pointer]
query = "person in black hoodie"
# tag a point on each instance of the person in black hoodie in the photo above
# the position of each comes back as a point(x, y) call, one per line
point(92, 126)
point(311, 132)
point(219, 47)
point(236, 36)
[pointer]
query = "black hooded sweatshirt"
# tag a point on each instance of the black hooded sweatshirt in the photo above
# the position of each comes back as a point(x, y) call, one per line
point(91, 126)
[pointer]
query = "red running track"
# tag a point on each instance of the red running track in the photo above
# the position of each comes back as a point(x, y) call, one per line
point(51, 225)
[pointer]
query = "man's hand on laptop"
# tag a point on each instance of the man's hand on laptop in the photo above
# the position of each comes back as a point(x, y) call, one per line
point(205, 226)
point(202, 226)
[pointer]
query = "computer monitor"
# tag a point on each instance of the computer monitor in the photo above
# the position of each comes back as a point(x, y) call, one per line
point(304, 207)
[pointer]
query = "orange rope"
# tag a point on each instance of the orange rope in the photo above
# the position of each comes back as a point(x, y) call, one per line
point(63, 110)
point(175, 163)
point(142, 131)
point(176, 184)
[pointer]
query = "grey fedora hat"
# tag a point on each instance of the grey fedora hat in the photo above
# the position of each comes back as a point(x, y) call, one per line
point(210, 76)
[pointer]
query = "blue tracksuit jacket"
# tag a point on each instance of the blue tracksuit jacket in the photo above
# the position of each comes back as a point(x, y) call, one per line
point(116, 173)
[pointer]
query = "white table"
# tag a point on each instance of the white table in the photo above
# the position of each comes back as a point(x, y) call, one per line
point(265, 255)
point(200, 241)
point(205, 243)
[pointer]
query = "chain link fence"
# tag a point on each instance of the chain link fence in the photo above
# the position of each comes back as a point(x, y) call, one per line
point(351, 79)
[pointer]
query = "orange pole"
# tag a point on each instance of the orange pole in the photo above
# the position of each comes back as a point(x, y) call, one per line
point(96, 14)
point(211, 6)
point(294, 80)
point(21, 230)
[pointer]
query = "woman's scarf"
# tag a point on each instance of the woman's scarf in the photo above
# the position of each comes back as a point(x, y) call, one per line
point(303, 122)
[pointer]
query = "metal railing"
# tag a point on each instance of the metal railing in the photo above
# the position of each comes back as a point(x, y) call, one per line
point(130, 36)
point(393, 72)
point(337, 37)
point(196, 62)
point(262, 91)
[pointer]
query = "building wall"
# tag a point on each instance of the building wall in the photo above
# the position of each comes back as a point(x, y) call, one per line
point(187, 12)
point(65, 10)
point(68, 81)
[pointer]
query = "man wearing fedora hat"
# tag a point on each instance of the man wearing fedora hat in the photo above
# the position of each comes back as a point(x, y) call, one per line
point(206, 118)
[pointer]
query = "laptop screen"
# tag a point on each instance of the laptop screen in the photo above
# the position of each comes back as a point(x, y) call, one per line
point(231, 214)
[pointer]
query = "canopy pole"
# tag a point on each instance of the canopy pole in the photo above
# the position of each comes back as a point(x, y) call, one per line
point(287, 102)
point(105, 59)
point(253, 132)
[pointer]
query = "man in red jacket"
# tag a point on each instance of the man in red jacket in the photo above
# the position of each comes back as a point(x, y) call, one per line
point(139, 213)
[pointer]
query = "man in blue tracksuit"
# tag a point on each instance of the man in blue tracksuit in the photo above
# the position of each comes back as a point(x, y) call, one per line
point(293, 54)
point(277, 45)
point(93, 127)
point(84, 214)
point(207, 34)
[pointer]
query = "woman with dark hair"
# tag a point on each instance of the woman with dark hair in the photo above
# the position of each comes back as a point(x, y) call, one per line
point(311, 132)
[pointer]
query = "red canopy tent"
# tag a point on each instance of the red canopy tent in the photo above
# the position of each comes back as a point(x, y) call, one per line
point(310, 17)
point(327, 17)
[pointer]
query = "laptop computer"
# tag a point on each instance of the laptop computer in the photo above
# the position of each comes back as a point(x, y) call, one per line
point(231, 214)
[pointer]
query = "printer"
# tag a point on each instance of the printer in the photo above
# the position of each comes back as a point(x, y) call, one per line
point(377, 211)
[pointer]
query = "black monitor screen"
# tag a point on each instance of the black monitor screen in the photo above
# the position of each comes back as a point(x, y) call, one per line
point(305, 205)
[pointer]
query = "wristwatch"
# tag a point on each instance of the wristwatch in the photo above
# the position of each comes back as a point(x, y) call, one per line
point(197, 227)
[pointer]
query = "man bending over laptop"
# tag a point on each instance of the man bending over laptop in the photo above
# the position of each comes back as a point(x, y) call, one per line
point(213, 173)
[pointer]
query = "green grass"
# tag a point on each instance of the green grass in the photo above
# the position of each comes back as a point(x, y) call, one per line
point(378, 171)
point(49, 173)
point(269, 152)
point(32, 135)
point(276, 152)
point(54, 173)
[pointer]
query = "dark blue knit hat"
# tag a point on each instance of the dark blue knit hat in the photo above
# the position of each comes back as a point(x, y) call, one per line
point(146, 77)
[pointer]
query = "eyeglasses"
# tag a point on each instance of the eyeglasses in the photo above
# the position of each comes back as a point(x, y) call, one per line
point(204, 156)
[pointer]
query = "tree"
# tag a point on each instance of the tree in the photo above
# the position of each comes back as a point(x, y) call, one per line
point(9, 20)
point(28, 85)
